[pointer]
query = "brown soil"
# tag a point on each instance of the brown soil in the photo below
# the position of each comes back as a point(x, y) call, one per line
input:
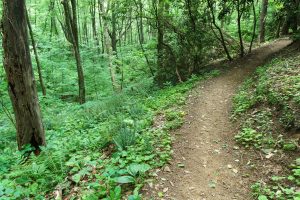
point(207, 164)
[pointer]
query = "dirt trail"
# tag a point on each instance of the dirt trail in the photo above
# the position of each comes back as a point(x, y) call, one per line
point(213, 166)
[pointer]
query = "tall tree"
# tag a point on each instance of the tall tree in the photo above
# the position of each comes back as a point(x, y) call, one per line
point(113, 33)
point(240, 7)
point(263, 17)
point(160, 41)
point(141, 24)
point(100, 13)
point(38, 63)
point(214, 22)
point(19, 72)
point(254, 26)
point(71, 31)
point(93, 18)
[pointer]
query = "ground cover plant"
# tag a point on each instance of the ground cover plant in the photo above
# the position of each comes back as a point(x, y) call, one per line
point(267, 107)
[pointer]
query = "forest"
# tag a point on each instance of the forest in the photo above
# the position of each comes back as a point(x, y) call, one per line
point(150, 99)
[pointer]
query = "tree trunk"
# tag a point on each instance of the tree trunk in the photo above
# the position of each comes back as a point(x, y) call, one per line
point(160, 42)
point(53, 28)
point(85, 32)
point(240, 13)
point(100, 11)
point(141, 26)
point(278, 28)
point(19, 72)
point(263, 17)
point(219, 29)
point(113, 34)
point(93, 17)
point(143, 50)
point(254, 26)
point(110, 55)
point(38, 64)
point(71, 28)
point(295, 16)
point(286, 26)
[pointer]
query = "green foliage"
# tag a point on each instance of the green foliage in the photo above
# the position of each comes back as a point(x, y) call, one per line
point(249, 137)
point(104, 148)
point(174, 119)
point(290, 146)
point(267, 104)
point(281, 188)
point(244, 101)
point(125, 137)
point(109, 145)
point(266, 108)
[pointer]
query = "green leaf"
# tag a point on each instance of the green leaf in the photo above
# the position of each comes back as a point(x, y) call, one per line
point(118, 192)
point(124, 179)
point(262, 197)
point(135, 169)
point(23, 180)
point(76, 178)
point(134, 197)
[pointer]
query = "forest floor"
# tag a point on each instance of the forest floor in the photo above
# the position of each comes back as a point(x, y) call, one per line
point(207, 163)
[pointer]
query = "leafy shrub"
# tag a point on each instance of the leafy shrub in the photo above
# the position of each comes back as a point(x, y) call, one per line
point(125, 137)
point(266, 102)
point(244, 100)
point(278, 187)
point(249, 137)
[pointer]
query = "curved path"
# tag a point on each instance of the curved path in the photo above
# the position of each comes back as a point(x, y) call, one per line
point(205, 146)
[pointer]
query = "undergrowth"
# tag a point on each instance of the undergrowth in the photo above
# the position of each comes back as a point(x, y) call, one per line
point(268, 105)
point(104, 149)
point(267, 109)
point(280, 187)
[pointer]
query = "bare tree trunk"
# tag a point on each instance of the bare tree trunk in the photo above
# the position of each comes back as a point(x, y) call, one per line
point(239, 18)
point(141, 26)
point(279, 24)
point(254, 26)
point(263, 17)
point(19, 72)
point(219, 29)
point(160, 41)
point(110, 61)
point(100, 11)
point(286, 26)
point(53, 28)
point(38, 64)
point(93, 17)
point(71, 28)
point(113, 34)
point(85, 32)
point(143, 50)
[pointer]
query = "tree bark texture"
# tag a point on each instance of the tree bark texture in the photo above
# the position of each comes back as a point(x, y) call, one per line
point(263, 17)
point(19, 72)
point(72, 32)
